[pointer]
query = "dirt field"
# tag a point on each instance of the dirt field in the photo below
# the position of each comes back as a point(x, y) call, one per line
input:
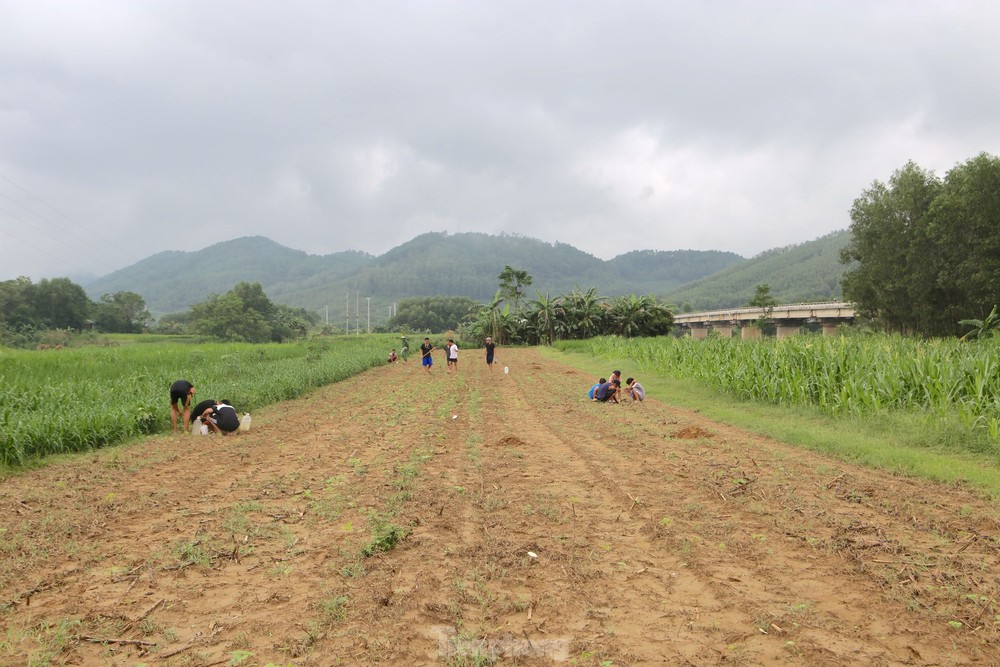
point(471, 519)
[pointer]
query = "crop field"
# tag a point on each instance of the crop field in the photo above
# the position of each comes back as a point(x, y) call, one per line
point(58, 401)
point(842, 375)
point(410, 518)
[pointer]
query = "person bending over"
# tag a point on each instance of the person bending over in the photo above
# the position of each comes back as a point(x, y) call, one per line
point(607, 392)
point(221, 418)
point(180, 402)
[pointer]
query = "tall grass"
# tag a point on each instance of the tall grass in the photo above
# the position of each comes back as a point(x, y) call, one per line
point(59, 401)
point(843, 375)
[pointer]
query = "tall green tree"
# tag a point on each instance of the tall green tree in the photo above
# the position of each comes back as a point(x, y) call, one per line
point(546, 311)
point(432, 314)
point(513, 285)
point(633, 315)
point(889, 228)
point(225, 317)
point(762, 299)
point(245, 314)
point(17, 306)
point(60, 304)
point(121, 312)
point(584, 312)
point(964, 233)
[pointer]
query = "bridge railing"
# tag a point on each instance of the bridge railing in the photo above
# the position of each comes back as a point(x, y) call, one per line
point(820, 309)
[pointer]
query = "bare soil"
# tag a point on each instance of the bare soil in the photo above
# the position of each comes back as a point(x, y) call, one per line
point(481, 518)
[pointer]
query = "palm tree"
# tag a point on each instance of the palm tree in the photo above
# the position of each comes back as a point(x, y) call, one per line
point(626, 314)
point(640, 316)
point(583, 312)
point(491, 320)
point(546, 315)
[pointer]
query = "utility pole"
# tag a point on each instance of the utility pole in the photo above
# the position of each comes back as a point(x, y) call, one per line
point(327, 314)
point(369, 300)
point(347, 310)
point(357, 313)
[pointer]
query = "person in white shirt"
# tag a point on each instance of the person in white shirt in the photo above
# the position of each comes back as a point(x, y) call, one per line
point(635, 390)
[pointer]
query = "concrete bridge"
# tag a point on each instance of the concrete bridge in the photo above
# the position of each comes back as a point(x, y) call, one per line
point(788, 318)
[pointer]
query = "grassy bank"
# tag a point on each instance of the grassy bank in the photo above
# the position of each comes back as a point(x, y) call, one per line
point(909, 442)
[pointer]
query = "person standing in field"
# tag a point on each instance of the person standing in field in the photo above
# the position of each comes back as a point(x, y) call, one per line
point(425, 354)
point(452, 355)
point(180, 402)
point(490, 349)
point(404, 351)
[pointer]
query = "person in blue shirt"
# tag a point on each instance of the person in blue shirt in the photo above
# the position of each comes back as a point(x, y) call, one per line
point(607, 392)
point(592, 394)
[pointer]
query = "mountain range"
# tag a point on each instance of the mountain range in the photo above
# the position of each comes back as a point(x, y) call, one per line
point(467, 264)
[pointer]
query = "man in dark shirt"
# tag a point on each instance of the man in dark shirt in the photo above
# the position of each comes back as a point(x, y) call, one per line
point(607, 392)
point(180, 401)
point(425, 354)
point(490, 349)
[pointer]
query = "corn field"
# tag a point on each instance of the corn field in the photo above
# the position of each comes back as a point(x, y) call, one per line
point(853, 375)
point(59, 401)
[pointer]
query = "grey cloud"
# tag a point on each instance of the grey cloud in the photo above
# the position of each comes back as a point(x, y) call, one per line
point(611, 126)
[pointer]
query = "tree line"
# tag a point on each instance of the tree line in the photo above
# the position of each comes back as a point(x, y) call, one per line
point(29, 311)
point(927, 248)
point(243, 314)
point(511, 317)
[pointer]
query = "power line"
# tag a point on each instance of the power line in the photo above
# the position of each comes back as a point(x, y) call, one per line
point(59, 240)
point(44, 252)
point(110, 243)
point(53, 223)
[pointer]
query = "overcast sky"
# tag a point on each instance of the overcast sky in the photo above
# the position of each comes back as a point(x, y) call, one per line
point(136, 126)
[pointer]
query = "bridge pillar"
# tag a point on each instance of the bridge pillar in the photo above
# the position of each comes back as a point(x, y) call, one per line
point(750, 333)
point(786, 330)
point(829, 328)
point(699, 333)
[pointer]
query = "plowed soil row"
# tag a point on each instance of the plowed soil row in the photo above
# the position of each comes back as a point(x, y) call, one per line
point(421, 518)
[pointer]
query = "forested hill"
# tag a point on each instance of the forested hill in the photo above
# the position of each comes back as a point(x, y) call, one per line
point(796, 274)
point(433, 264)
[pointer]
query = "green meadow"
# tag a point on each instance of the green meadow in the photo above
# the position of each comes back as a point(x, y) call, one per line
point(69, 400)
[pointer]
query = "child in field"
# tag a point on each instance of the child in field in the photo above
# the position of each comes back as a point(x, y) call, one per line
point(635, 390)
point(592, 394)
point(607, 392)
point(392, 356)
